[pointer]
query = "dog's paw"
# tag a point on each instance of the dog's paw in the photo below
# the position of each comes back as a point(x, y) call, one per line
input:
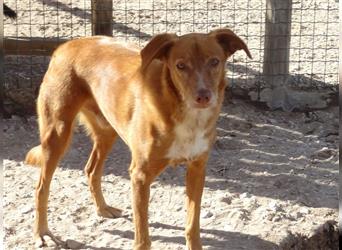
point(109, 212)
point(40, 242)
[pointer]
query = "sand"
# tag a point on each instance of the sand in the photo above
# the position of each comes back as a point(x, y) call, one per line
point(270, 172)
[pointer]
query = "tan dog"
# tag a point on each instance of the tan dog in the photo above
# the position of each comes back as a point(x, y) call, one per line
point(163, 102)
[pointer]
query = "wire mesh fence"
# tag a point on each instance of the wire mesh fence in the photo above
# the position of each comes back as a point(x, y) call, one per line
point(313, 60)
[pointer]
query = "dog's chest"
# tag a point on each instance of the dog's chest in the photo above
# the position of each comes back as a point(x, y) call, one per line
point(190, 137)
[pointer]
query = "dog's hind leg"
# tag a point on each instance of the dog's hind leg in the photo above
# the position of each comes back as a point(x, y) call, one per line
point(103, 136)
point(57, 108)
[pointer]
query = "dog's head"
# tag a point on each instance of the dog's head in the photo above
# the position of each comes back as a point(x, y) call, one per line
point(196, 62)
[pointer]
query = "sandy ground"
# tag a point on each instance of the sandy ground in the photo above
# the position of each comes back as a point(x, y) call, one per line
point(269, 172)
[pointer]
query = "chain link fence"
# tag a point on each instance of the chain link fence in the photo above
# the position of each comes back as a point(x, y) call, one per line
point(313, 48)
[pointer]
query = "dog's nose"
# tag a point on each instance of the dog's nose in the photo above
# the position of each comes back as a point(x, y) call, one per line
point(203, 96)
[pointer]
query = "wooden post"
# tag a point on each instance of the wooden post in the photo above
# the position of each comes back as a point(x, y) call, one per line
point(277, 42)
point(31, 46)
point(2, 78)
point(102, 17)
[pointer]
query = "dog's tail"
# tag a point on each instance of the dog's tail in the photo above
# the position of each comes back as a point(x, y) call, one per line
point(34, 156)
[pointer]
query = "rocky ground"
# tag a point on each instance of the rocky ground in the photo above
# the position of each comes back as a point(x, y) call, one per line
point(270, 173)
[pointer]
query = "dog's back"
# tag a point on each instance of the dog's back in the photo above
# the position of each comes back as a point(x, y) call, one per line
point(76, 70)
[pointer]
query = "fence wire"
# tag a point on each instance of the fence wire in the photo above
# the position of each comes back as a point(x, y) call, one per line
point(314, 35)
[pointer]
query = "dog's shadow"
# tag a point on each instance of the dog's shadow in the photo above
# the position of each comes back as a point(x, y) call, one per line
point(211, 238)
point(79, 245)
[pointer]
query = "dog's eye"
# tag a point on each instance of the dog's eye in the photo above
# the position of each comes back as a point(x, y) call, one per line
point(180, 66)
point(214, 62)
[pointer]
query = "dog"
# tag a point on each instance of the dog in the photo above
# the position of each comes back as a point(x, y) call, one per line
point(163, 102)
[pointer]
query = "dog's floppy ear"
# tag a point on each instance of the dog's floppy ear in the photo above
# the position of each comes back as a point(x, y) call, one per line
point(157, 48)
point(229, 41)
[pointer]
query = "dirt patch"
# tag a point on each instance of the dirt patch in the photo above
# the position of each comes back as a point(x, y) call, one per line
point(269, 173)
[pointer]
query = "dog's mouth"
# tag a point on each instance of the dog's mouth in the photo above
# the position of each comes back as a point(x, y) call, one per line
point(201, 105)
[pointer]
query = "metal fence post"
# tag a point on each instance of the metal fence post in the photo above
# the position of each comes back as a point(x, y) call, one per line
point(277, 42)
point(101, 11)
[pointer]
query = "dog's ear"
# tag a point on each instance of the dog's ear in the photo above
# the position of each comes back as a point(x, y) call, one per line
point(157, 48)
point(229, 41)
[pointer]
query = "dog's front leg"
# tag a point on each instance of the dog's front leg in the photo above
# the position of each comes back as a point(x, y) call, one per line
point(195, 177)
point(141, 179)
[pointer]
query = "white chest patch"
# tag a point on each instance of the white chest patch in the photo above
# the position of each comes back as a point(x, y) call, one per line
point(190, 139)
